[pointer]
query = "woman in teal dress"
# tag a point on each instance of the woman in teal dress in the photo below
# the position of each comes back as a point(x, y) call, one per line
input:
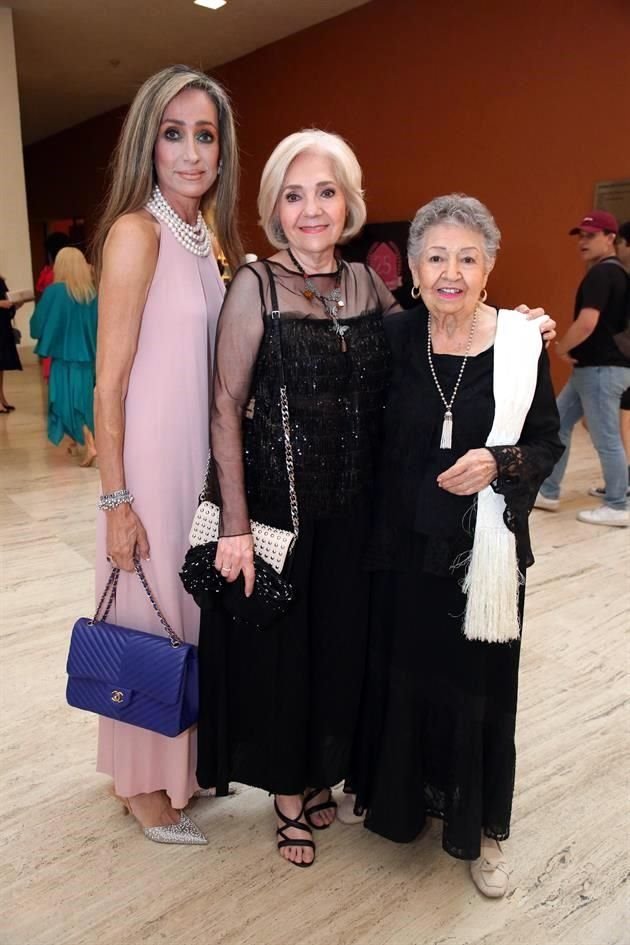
point(64, 322)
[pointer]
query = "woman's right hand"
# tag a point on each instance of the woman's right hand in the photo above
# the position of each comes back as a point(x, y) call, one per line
point(234, 555)
point(126, 537)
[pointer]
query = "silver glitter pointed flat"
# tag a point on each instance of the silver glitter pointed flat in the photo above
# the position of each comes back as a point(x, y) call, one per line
point(186, 831)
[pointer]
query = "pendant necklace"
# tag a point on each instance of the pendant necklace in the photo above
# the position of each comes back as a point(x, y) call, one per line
point(193, 237)
point(446, 440)
point(332, 302)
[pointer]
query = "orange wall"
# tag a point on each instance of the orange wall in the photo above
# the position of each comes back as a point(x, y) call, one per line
point(524, 106)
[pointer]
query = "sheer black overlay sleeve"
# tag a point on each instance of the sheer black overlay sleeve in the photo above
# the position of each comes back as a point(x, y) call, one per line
point(239, 335)
point(523, 468)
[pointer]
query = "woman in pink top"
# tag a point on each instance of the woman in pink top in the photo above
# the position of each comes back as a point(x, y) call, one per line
point(159, 297)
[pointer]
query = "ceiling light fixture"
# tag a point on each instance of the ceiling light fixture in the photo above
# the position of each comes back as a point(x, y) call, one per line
point(211, 4)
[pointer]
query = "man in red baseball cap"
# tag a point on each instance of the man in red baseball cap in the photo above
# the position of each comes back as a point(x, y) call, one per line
point(601, 370)
point(597, 221)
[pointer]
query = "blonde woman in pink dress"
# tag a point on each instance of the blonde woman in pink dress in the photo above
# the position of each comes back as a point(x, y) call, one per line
point(159, 297)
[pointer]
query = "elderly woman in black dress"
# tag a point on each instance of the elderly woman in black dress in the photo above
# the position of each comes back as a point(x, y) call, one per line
point(471, 432)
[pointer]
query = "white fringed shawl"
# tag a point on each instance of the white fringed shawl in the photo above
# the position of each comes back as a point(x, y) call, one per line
point(492, 579)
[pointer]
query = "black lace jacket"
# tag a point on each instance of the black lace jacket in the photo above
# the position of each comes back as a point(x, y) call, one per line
point(408, 497)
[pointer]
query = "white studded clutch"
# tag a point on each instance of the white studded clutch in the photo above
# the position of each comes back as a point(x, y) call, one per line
point(270, 544)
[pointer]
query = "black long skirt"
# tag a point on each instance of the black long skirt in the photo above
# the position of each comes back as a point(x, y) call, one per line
point(436, 734)
point(279, 707)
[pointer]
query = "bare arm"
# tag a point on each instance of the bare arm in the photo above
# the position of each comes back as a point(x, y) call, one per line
point(129, 260)
point(581, 329)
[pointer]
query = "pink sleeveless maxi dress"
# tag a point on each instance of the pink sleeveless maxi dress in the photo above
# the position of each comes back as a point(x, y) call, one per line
point(165, 454)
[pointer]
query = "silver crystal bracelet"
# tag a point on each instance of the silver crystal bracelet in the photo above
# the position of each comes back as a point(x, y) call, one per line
point(113, 499)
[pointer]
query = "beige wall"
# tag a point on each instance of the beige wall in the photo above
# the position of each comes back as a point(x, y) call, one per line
point(15, 247)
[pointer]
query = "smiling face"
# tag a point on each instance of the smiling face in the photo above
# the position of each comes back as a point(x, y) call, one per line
point(451, 269)
point(311, 206)
point(186, 151)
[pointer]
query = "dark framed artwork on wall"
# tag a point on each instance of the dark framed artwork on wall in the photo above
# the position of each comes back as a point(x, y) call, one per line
point(614, 196)
point(383, 246)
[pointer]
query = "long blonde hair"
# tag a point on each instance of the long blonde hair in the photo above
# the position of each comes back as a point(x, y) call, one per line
point(72, 268)
point(132, 171)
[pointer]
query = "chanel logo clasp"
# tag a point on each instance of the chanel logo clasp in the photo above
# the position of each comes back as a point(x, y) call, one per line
point(117, 696)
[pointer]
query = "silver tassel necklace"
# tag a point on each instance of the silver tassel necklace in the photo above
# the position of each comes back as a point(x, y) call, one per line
point(446, 440)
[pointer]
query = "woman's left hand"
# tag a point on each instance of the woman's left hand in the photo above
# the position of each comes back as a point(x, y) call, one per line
point(472, 472)
point(547, 328)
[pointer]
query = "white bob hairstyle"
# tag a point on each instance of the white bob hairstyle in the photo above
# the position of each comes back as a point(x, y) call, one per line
point(348, 176)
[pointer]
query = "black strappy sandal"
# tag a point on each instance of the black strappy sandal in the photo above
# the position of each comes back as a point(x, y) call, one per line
point(330, 804)
point(286, 842)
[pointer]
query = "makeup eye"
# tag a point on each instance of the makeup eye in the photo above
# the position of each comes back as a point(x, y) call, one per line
point(171, 134)
point(291, 197)
point(329, 192)
point(206, 137)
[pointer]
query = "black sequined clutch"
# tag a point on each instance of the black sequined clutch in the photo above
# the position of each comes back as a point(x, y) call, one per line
point(271, 598)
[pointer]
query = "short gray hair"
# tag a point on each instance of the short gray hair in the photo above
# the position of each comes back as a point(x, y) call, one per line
point(458, 210)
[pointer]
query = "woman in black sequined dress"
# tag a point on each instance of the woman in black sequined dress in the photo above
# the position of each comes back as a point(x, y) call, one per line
point(279, 707)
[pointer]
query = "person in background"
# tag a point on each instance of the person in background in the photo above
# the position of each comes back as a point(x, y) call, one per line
point(9, 357)
point(159, 298)
point(64, 322)
point(622, 246)
point(601, 372)
point(54, 242)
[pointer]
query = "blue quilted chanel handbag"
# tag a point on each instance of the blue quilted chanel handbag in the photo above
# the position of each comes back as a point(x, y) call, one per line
point(132, 676)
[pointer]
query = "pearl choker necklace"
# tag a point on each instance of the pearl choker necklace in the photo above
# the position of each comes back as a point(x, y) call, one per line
point(195, 238)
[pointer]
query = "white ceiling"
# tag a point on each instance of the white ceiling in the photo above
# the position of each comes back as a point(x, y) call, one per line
point(79, 58)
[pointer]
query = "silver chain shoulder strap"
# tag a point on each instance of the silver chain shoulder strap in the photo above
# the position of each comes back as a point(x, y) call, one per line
point(286, 420)
point(110, 589)
point(286, 430)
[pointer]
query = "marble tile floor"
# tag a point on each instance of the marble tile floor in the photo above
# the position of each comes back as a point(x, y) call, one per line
point(74, 871)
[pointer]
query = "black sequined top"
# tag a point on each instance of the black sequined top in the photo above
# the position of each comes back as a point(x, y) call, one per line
point(336, 397)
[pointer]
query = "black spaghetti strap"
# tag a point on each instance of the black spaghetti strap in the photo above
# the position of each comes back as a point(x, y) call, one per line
point(272, 289)
point(275, 321)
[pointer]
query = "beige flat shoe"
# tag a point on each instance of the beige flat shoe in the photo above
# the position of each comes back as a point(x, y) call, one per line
point(490, 872)
point(345, 810)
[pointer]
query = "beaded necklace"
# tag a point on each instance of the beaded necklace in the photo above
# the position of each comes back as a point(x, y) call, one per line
point(446, 440)
point(332, 302)
point(193, 237)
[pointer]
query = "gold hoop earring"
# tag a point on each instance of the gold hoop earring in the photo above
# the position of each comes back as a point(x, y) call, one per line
point(415, 292)
point(483, 296)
